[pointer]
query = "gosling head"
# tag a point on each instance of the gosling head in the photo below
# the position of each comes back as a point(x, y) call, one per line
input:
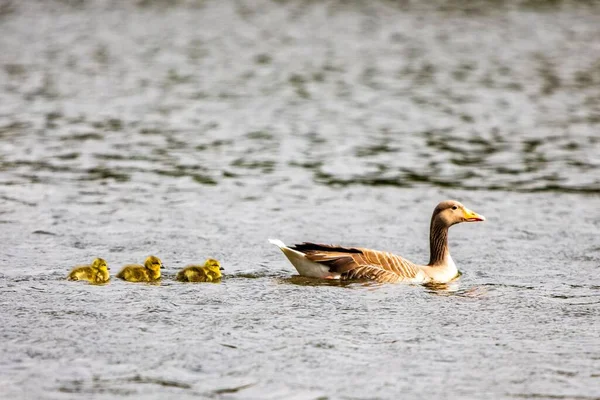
point(100, 264)
point(451, 212)
point(153, 263)
point(213, 266)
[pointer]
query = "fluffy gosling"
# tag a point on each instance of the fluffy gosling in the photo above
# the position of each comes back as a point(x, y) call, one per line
point(149, 272)
point(97, 272)
point(209, 272)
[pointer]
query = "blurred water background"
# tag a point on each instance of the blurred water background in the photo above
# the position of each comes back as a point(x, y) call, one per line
point(195, 129)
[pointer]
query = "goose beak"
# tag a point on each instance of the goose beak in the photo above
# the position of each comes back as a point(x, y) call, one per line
point(472, 216)
point(221, 268)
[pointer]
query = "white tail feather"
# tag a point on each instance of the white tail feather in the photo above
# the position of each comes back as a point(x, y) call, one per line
point(277, 243)
point(304, 266)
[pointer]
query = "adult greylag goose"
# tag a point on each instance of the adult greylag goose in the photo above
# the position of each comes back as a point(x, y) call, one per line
point(336, 262)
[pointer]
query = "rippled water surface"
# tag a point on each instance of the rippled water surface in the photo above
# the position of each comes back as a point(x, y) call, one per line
point(200, 129)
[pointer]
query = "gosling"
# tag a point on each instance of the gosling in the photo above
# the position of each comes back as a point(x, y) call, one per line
point(209, 272)
point(97, 272)
point(149, 272)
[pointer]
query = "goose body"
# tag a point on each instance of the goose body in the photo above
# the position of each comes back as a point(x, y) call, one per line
point(149, 272)
point(337, 262)
point(209, 272)
point(97, 272)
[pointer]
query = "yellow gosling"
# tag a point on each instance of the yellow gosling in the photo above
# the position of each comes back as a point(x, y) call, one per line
point(209, 272)
point(102, 274)
point(149, 272)
point(97, 272)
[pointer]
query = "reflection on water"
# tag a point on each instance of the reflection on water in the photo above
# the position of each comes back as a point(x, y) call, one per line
point(445, 157)
point(449, 108)
point(305, 281)
point(454, 289)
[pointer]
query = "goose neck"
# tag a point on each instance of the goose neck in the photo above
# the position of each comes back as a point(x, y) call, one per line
point(439, 253)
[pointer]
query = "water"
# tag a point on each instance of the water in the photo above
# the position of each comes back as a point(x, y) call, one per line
point(201, 129)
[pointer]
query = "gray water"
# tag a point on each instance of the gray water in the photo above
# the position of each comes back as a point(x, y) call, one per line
point(198, 129)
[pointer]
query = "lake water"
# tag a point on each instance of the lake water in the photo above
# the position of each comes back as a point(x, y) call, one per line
point(202, 128)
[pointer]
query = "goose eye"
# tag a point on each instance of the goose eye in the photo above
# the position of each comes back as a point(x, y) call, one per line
point(454, 207)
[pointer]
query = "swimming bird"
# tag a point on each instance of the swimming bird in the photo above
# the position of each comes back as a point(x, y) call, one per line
point(149, 272)
point(209, 272)
point(337, 262)
point(96, 272)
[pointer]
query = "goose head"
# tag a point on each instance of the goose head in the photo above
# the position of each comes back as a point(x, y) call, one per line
point(452, 212)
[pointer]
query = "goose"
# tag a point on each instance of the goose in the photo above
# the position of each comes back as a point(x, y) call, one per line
point(209, 272)
point(149, 272)
point(346, 263)
point(96, 272)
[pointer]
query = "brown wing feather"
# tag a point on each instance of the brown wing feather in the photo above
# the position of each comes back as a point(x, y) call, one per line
point(356, 263)
point(373, 273)
point(308, 247)
point(390, 262)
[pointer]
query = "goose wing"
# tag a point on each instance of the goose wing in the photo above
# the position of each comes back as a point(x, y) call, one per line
point(372, 272)
point(360, 263)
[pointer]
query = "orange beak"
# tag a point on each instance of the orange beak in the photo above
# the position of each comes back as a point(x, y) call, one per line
point(472, 216)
